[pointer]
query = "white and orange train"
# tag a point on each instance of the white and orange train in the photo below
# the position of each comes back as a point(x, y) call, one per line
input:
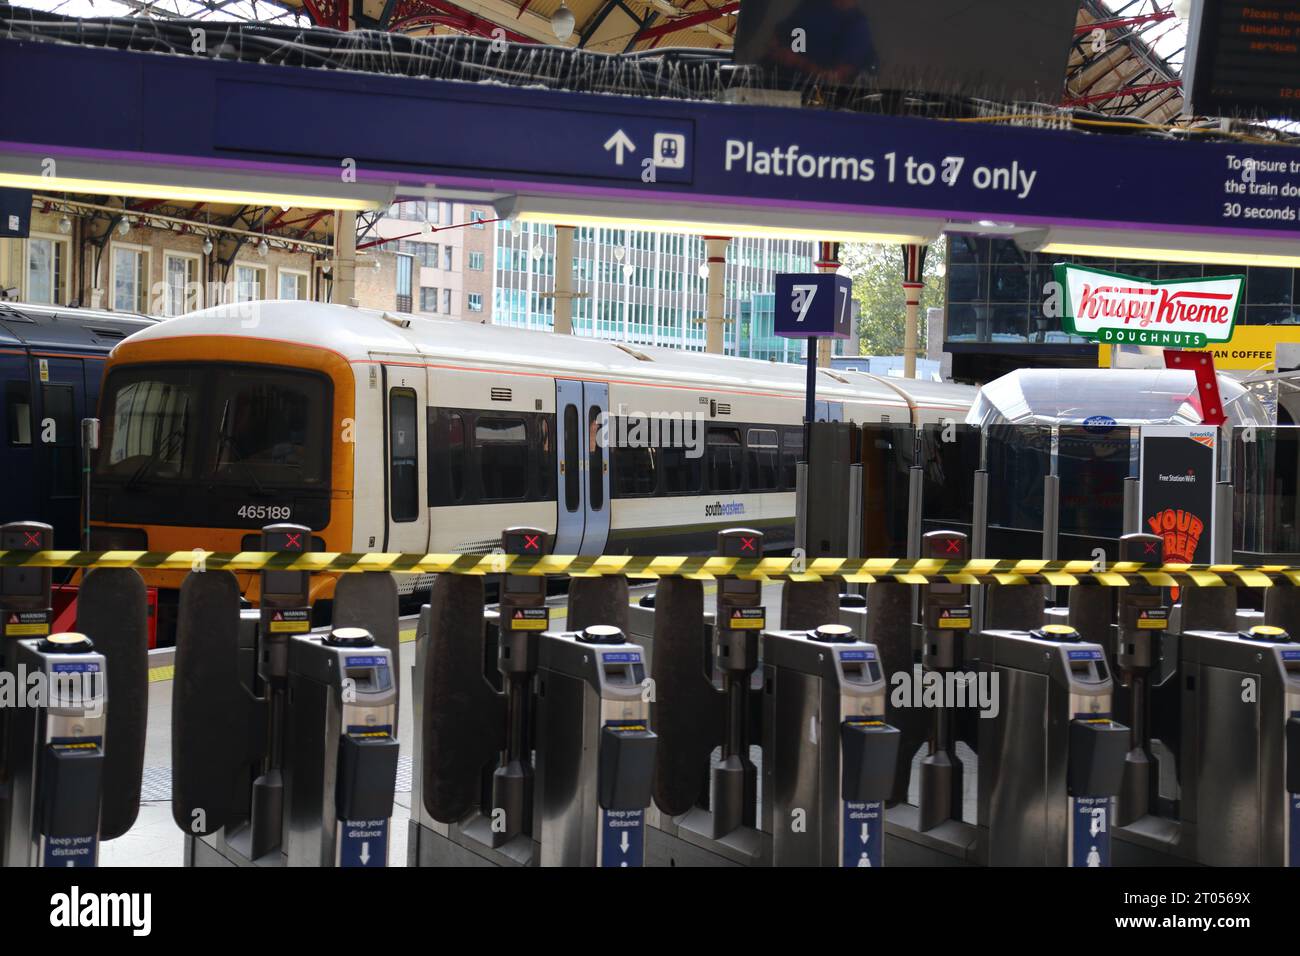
point(386, 432)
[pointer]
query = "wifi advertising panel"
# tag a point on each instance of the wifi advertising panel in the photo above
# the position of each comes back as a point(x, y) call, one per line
point(1117, 309)
point(1179, 471)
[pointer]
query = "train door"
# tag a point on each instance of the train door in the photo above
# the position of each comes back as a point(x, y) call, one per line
point(60, 406)
point(570, 512)
point(582, 505)
point(406, 522)
point(596, 398)
point(19, 453)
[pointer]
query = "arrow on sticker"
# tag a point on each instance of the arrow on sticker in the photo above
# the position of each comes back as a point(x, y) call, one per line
point(365, 852)
point(864, 833)
point(624, 845)
point(618, 143)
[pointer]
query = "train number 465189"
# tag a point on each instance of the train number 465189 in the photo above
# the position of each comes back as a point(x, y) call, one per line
point(261, 512)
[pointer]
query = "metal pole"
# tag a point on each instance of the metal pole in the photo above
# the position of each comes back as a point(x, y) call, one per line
point(979, 531)
point(89, 443)
point(810, 399)
point(1132, 517)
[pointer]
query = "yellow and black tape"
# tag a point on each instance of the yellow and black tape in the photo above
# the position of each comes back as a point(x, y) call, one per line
point(852, 570)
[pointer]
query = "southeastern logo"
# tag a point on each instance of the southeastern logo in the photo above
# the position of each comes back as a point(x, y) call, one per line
point(720, 509)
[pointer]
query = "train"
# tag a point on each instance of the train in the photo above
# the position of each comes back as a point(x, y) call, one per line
point(389, 432)
point(52, 361)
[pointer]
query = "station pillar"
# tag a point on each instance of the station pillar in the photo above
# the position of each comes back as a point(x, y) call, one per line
point(564, 280)
point(715, 251)
point(345, 257)
point(913, 283)
point(828, 263)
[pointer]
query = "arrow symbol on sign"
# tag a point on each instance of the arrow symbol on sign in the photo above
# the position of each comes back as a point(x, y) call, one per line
point(864, 833)
point(624, 845)
point(618, 143)
point(365, 852)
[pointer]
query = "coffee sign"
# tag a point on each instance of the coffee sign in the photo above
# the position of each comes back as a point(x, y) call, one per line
point(1116, 309)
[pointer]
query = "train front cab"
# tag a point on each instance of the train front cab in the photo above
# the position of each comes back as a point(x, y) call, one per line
point(203, 454)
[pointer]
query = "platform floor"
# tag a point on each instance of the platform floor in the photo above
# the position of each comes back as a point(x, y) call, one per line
point(155, 840)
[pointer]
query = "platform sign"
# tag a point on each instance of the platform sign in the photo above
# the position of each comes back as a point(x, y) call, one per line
point(363, 843)
point(813, 304)
point(1241, 59)
point(622, 838)
point(1178, 475)
point(1117, 309)
point(1090, 831)
point(863, 833)
point(74, 851)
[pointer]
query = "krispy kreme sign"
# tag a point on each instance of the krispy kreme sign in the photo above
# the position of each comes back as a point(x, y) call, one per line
point(1116, 309)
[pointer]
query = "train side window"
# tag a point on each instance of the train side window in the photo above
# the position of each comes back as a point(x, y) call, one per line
point(447, 454)
point(403, 455)
point(18, 403)
point(762, 452)
point(791, 452)
point(726, 466)
point(572, 490)
point(58, 410)
point(632, 459)
point(595, 460)
point(682, 467)
point(545, 448)
point(502, 457)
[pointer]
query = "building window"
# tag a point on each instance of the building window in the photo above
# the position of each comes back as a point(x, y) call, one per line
point(444, 213)
point(182, 275)
point(428, 254)
point(130, 279)
point(428, 300)
point(250, 281)
point(475, 300)
point(293, 285)
point(46, 270)
point(446, 301)
point(476, 261)
point(405, 264)
point(446, 258)
point(476, 217)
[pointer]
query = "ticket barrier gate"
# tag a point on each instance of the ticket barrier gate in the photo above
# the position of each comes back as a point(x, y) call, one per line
point(71, 764)
point(706, 685)
point(284, 744)
point(1052, 759)
point(829, 756)
point(533, 747)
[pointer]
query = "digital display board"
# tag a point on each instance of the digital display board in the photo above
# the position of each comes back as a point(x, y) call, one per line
point(1016, 51)
point(1243, 59)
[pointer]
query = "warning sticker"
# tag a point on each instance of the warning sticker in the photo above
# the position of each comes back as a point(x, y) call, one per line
point(748, 619)
point(530, 619)
point(1153, 618)
point(955, 618)
point(292, 620)
point(27, 623)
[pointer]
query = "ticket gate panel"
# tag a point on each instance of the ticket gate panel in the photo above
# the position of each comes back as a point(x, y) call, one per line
point(1238, 802)
point(56, 759)
point(595, 752)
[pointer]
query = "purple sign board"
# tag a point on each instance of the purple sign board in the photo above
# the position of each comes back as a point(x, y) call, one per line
point(809, 304)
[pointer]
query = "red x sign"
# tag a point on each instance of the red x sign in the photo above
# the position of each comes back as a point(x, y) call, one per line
point(1150, 546)
point(954, 546)
point(747, 544)
point(33, 538)
point(531, 543)
point(293, 541)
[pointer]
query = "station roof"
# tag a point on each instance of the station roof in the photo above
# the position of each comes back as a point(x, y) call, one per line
point(1131, 68)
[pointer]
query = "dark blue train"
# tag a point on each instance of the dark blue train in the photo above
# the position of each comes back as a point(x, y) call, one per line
point(51, 364)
